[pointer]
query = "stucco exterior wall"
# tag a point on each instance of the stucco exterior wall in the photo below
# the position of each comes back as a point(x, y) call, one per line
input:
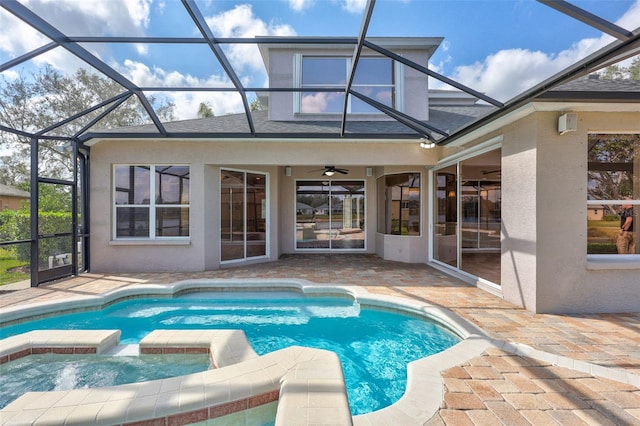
point(545, 267)
point(567, 280)
point(519, 212)
point(202, 251)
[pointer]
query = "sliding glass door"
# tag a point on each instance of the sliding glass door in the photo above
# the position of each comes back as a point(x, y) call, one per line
point(467, 215)
point(330, 215)
point(243, 215)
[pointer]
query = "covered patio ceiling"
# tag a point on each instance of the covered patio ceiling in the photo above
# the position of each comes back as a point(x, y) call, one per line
point(86, 48)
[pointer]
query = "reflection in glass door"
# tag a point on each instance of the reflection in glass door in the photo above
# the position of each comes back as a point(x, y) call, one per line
point(330, 215)
point(242, 215)
point(445, 246)
point(480, 211)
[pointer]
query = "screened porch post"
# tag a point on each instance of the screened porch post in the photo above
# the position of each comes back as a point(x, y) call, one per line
point(34, 213)
point(636, 193)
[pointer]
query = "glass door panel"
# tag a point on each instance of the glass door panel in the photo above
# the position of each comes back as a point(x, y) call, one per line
point(490, 196)
point(445, 245)
point(232, 215)
point(256, 215)
point(330, 215)
point(480, 216)
point(312, 215)
point(469, 213)
point(347, 215)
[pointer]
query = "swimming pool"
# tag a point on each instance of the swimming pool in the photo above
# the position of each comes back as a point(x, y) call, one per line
point(374, 344)
point(38, 373)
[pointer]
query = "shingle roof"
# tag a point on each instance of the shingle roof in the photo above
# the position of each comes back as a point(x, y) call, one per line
point(593, 83)
point(591, 88)
point(446, 118)
point(13, 192)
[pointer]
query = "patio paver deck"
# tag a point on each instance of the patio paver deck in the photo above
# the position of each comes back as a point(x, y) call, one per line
point(498, 387)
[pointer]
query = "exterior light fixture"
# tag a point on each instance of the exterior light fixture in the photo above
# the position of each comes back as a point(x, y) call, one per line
point(329, 173)
point(567, 123)
point(427, 145)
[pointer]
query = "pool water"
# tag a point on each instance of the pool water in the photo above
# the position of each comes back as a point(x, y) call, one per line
point(374, 346)
point(63, 372)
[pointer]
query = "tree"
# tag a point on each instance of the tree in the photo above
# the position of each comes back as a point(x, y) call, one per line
point(204, 110)
point(44, 98)
point(255, 105)
point(610, 172)
point(617, 72)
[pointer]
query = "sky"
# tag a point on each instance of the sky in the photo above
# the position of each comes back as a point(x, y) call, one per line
point(498, 47)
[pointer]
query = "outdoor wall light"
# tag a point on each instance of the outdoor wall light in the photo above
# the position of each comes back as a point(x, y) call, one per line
point(427, 145)
point(567, 123)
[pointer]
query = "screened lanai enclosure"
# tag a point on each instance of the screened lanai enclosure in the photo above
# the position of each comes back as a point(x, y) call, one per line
point(69, 81)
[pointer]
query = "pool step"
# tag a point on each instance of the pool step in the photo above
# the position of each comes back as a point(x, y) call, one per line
point(123, 350)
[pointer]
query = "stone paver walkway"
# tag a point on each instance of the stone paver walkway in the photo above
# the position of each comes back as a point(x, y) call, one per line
point(498, 387)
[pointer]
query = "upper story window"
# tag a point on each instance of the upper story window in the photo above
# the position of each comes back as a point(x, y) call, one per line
point(613, 194)
point(374, 78)
point(151, 201)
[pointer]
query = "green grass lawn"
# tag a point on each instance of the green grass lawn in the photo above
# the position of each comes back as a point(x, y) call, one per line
point(8, 261)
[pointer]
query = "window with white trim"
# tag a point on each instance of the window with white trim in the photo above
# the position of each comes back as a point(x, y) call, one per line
point(374, 78)
point(151, 201)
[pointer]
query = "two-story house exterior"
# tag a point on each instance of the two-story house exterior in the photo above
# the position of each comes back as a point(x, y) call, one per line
point(503, 206)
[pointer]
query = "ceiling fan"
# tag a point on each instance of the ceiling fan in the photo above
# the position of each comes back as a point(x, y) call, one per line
point(331, 170)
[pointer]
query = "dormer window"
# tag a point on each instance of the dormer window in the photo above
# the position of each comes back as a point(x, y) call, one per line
point(374, 78)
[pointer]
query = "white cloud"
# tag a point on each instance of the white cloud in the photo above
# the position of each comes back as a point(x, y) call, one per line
point(78, 17)
point(241, 22)
point(507, 73)
point(186, 102)
point(221, 103)
point(73, 17)
point(354, 6)
point(314, 103)
point(631, 19)
point(300, 5)
point(10, 75)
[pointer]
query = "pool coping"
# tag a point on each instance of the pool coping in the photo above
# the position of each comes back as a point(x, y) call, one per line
point(425, 388)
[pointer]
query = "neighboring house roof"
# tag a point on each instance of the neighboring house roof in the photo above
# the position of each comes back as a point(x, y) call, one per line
point(10, 191)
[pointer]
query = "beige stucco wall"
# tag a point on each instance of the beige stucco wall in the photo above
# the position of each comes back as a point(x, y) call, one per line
point(206, 158)
point(545, 267)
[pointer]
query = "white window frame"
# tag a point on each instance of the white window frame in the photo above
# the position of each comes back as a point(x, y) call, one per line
point(397, 85)
point(152, 206)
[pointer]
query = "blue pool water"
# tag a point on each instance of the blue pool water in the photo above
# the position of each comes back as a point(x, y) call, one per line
point(374, 346)
point(50, 372)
